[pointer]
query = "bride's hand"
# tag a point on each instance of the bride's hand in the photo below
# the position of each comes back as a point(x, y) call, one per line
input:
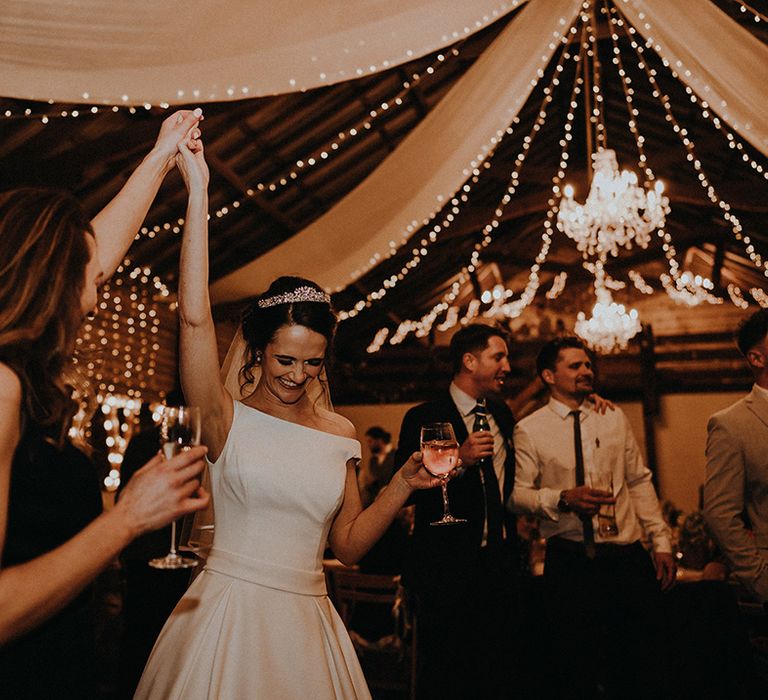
point(176, 128)
point(191, 163)
point(416, 476)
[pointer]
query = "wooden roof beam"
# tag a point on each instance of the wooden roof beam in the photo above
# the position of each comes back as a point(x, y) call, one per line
point(257, 201)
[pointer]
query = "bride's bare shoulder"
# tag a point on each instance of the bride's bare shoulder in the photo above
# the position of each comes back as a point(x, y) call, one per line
point(339, 425)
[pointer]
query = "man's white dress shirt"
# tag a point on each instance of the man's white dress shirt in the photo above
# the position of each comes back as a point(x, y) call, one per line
point(546, 465)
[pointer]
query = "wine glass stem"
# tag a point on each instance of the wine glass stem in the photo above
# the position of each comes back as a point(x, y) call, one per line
point(444, 487)
point(173, 538)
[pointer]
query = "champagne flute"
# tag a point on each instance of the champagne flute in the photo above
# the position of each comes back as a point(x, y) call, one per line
point(440, 453)
point(179, 431)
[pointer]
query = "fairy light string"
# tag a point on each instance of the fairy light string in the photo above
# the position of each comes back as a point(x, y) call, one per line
point(74, 112)
point(301, 166)
point(757, 16)
point(432, 236)
point(609, 325)
point(120, 345)
point(682, 132)
point(502, 306)
point(690, 289)
point(640, 284)
point(685, 288)
point(509, 309)
point(86, 109)
point(330, 69)
point(733, 141)
point(558, 285)
point(597, 115)
point(667, 245)
point(737, 298)
point(759, 296)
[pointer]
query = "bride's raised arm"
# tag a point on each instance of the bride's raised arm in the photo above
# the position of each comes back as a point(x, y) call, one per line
point(115, 226)
point(199, 359)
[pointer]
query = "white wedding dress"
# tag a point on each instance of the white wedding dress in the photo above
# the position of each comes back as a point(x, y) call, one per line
point(257, 622)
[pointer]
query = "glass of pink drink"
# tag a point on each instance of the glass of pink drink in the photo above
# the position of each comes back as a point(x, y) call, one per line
point(440, 453)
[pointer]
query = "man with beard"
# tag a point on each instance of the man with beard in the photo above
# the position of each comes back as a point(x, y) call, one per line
point(601, 586)
point(464, 577)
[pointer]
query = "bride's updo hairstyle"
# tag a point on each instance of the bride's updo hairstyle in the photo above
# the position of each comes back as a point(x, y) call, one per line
point(289, 301)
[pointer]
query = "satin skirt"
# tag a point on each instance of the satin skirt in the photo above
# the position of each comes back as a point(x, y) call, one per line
point(251, 629)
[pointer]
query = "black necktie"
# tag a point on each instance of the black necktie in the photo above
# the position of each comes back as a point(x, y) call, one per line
point(494, 510)
point(586, 520)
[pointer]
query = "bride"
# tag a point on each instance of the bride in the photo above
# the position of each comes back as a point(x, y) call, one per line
point(257, 623)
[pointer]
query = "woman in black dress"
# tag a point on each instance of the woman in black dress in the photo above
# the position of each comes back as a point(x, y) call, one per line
point(54, 539)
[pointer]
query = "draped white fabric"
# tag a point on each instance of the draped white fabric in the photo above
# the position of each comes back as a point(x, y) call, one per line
point(179, 51)
point(428, 166)
point(719, 59)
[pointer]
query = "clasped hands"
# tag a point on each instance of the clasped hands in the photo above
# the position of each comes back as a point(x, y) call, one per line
point(178, 131)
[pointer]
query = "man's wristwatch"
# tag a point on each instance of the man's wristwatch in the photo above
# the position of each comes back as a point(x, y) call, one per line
point(562, 504)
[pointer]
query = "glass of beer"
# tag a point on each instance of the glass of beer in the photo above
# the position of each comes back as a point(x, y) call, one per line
point(602, 480)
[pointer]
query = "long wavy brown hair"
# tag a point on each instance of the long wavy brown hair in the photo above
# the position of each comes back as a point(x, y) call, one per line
point(43, 255)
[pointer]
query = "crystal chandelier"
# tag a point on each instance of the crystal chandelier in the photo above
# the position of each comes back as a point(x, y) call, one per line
point(617, 212)
point(610, 327)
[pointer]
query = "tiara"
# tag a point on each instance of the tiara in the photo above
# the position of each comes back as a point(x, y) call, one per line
point(299, 294)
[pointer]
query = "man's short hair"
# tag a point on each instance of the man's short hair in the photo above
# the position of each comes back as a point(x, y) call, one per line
point(471, 338)
point(376, 432)
point(547, 357)
point(752, 331)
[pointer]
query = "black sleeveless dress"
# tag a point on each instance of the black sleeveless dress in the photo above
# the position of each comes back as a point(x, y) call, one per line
point(53, 495)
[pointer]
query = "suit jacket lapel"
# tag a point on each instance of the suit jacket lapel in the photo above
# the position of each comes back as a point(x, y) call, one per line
point(758, 404)
point(506, 423)
point(504, 419)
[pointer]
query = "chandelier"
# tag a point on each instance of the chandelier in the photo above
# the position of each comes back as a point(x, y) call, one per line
point(617, 212)
point(610, 327)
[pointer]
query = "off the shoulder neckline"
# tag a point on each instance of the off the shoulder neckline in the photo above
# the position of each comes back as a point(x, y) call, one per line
point(299, 425)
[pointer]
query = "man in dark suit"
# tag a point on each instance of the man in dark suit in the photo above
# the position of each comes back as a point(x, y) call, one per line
point(464, 577)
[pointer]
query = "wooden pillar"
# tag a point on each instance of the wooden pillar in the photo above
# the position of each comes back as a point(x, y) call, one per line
point(650, 398)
